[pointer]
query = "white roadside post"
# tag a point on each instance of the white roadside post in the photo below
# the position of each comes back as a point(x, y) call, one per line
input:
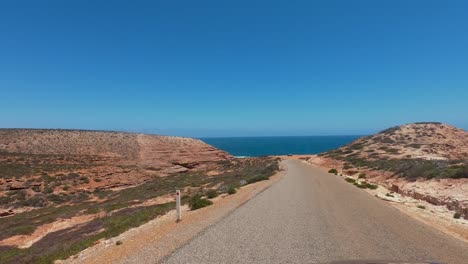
point(179, 212)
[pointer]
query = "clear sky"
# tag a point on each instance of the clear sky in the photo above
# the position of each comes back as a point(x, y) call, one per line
point(227, 68)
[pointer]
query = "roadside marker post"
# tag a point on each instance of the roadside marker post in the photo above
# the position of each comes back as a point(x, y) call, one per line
point(179, 212)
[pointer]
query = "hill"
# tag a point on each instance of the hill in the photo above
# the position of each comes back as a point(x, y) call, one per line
point(40, 162)
point(64, 190)
point(427, 161)
point(428, 150)
point(118, 147)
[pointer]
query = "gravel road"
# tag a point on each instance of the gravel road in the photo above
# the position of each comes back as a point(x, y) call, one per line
point(311, 216)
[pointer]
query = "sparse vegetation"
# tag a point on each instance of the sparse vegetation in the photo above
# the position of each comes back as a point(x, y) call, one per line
point(390, 130)
point(389, 195)
point(457, 215)
point(257, 179)
point(211, 194)
point(365, 185)
point(421, 207)
point(362, 176)
point(125, 205)
point(232, 190)
point(47, 190)
point(197, 202)
point(334, 171)
point(414, 168)
point(405, 140)
point(350, 180)
point(118, 243)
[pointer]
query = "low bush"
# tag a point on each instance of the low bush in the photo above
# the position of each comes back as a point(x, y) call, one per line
point(366, 185)
point(334, 171)
point(211, 194)
point(389, 195)
point(362, 176)
point(84, 179)
point(47, 189)
point(350, 180)
point(197, 202)
point(421, 207)
point(232, 190)
point(457, 215)
point(257, 179)
point(359, 185)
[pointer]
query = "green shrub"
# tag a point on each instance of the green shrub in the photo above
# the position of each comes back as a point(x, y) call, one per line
point(457, 215)
point(47, 189)
point(197, 202)
point(93, 210)
point(389, 195)
point(350, 180)
point(58, 199)
point(421, 207)
point(232, 190)
point(362, 176)
point(118, 243)
point(359, 185)
point(84, 179)
point(35, 201)
point(257, 179)
point(366, 185)
point(334, 171)
point(211, 194)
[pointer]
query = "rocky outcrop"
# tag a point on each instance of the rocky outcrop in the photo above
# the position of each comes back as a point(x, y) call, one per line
point(426, 161)
point(429, 141)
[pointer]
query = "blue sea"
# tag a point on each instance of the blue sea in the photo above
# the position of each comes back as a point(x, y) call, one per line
point(264, 146)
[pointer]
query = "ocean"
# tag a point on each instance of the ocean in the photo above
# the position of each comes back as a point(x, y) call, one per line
point(264, 146)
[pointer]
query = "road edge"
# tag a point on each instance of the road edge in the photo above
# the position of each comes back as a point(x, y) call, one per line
point(156, 240)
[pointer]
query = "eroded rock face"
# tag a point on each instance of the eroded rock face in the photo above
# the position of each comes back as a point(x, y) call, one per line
point(177, 153)
point(42, 163)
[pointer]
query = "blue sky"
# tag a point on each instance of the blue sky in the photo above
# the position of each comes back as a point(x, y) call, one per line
point(233, 68)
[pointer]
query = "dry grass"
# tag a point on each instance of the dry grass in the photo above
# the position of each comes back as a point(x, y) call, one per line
point(121, 209)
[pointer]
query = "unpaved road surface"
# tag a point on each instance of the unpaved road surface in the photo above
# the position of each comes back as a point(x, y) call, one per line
point(310, 216)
